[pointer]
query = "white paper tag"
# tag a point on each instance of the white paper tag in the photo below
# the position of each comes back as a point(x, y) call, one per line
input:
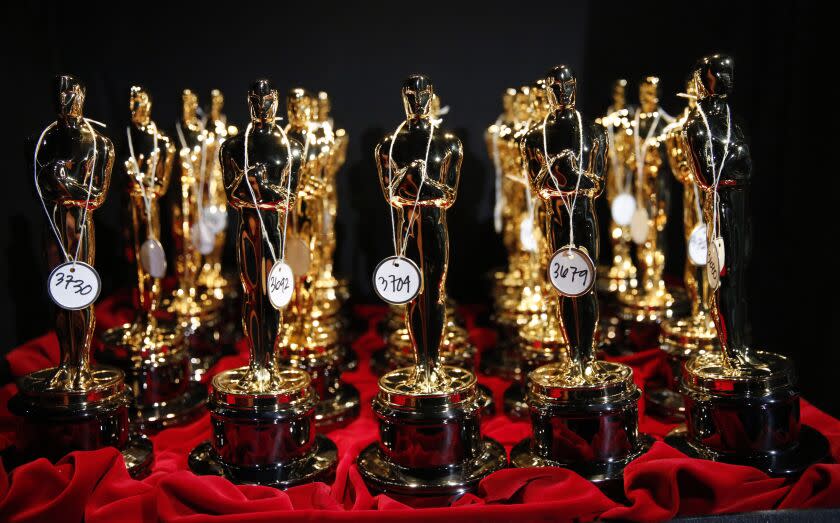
point(397, 280)
point(571, 271)
point(623, 207)
point(526, 235)
point(203, 238)
point(721, 252)
point(698, 245)
point(215, 217)
point(281, 285)
point(712, 266)
point(152, 258)
point(74, 286)
point(297, 255)
point(639, 226)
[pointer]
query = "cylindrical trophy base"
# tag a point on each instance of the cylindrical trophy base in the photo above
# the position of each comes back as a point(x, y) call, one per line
point(264, 433)
point(319, 465)
point(430, 448)
point(56, 422)
point(636, 324)
point(158, 370)
point(338, 402)
point(590, 427)
point(680, 339)
point(747, 415)
point(532, 355)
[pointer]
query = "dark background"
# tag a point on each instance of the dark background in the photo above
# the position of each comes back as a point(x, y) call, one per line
point(360, 53)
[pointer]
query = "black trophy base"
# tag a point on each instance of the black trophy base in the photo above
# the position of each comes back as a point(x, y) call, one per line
point(516, 407)
point(319, 466)
point(180, 410)
point(791, 462)
point(429, 487)
point(338, 411)
point(664, 404)
point(138, 456)
point(608, 476)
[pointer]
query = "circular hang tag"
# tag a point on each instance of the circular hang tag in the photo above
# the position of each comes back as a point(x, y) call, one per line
point(639, 226)
point(281, 285)
point(721, 252)
point(215, 217)
point(712, 266)
point(297, 255)
point(623, 207)
point(571, 271)
point(698, 245)
point(203, 238)
point(152, 258)
point(526, 235)
point(397, 280)
point(74, 285)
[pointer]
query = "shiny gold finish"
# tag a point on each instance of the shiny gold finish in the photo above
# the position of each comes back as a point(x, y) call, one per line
point(193, 306)
point(621, 275)
point(330, 292)
point(684, 337)
point(455, 348)
point(210, 277)
point(305, 334)
point(269, 175)
point(423, 224)
point(150, 175)
point(64, 179)
point(521, 293)
point(649, 300)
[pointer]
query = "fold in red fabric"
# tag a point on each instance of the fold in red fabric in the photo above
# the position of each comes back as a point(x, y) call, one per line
point(95, 487)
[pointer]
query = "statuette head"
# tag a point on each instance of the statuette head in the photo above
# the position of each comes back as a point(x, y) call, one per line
point(561, 85)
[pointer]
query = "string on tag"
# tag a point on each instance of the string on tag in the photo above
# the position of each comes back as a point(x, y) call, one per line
point(563, 197)
point(146, 193)
point(614, 161)
point(640, 150)
point(91, 174)
point(497, 165)
point(716, 172)
point(399, 250)
point(246, 168)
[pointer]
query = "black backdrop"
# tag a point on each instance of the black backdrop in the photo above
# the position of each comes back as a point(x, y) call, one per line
point(360, 53)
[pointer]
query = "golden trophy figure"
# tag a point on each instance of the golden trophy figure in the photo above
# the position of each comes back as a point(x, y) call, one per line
point(621, 275)
point(198, 311)
point(534, 335)
point(682, 338)
point(643, 306)
point(263, 415)
point(583, 411)
point(456, 350)
point(152, 354)
point(214, 202)
point(741, 404)
point(329, 290)
point(429, 441)
point(306, 342)
point(73, 406)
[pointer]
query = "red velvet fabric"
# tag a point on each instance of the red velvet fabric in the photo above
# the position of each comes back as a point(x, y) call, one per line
point(663, 483)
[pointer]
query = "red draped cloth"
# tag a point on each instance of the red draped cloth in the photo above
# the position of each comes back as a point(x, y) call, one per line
point(94, 486)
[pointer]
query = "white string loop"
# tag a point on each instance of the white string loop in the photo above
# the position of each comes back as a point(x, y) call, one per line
point(716, 172)
point(399, 250)
point(564, 197)
point(246, 168)
point(91, 174)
